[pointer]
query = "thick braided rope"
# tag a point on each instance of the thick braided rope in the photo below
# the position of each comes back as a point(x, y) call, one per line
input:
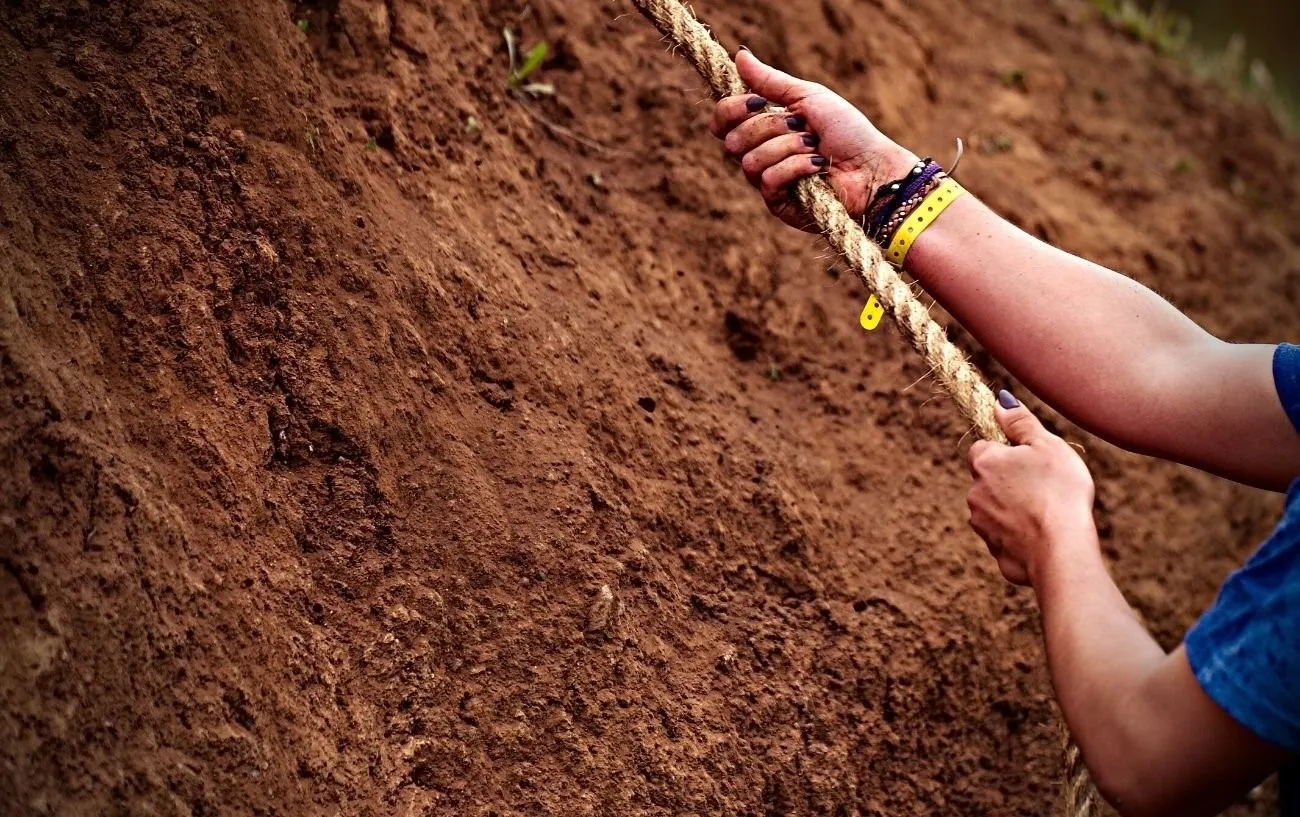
point(950, 367)
point(1081, 798)
point(958, 377)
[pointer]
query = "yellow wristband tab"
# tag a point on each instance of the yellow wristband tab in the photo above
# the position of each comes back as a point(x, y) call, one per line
point(920, 219)
point(871, 314)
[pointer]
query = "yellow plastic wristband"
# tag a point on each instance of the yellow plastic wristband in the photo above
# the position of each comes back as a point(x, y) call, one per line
point(930, 209)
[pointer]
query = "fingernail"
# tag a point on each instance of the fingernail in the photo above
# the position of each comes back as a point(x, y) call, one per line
point(796, 122)
point(819, 161)
point(1007, 400)
point(745, 48)
point(812, 140)
point(756, 104)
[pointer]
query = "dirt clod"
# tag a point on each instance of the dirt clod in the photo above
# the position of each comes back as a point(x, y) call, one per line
point(602, 614)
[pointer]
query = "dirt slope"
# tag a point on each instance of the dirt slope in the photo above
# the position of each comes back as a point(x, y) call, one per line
point(326, 415)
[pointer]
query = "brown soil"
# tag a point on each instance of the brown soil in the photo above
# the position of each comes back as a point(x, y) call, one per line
point(326, 415)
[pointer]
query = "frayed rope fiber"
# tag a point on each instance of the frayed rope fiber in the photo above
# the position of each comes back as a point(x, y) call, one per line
point(954, 372)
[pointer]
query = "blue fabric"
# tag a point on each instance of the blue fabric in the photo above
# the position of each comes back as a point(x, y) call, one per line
point(1286, 372)
point(1245, 651)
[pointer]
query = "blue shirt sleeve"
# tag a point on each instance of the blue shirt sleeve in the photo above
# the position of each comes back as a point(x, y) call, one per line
point(1286, 373)
point(1245, 650)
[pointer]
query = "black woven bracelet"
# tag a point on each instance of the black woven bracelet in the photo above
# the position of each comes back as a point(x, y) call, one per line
point(892, 195)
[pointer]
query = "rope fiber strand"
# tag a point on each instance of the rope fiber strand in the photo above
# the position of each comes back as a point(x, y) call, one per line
point(959, 378)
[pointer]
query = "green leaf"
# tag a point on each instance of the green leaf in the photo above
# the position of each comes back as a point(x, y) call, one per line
point(304, 24)
point(532, 61)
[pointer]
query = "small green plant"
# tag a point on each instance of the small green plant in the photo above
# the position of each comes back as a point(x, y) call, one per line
point(1166, 31)
point(372, 144)
point(1171, 33)
point(304, 24)
point(1184, 166)
point(1016, 79)
point(996, 143)
point(471, 125)
point(312, 136)
point(1234, 70)
point(517, 79)
point(1101, 95)
point(774, 373)
point(519, 86)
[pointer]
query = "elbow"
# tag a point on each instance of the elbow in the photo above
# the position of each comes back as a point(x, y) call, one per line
point(1148, 405)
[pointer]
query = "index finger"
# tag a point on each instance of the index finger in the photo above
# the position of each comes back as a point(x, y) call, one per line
point(977, 452)
point(732, 111)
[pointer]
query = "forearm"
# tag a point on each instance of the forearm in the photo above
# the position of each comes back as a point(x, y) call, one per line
point(1153, 741)
point(1107, 352)
point(1097, 651)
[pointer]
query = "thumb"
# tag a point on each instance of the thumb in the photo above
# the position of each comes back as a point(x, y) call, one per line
point(776, 86)
point(1019, 423)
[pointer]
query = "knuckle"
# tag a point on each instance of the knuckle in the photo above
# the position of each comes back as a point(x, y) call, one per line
point(733, 143)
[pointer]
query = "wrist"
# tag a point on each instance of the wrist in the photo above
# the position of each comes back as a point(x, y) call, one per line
point(1071, 544)
point(883, 166)
point(894, 163)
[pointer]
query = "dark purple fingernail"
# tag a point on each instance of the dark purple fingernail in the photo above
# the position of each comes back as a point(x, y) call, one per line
point(756, 104)
point(812, 140)
point(1007, 400)
point(796, 122)
point(820, 161)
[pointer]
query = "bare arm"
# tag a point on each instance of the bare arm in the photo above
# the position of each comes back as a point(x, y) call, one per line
point(1153, 740)
point(1107, 352)
point(1155, 743)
